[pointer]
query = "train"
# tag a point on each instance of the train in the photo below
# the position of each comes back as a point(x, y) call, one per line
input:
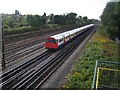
point(57, 41)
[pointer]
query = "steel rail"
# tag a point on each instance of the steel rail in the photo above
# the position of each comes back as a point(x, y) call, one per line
point(20, 67)
point(18, 55)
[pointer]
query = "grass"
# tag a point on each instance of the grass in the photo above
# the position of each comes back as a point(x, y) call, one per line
point(17, 30)
point(100, 47)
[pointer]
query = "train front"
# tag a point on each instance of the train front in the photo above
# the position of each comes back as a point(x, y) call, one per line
point(51, 43)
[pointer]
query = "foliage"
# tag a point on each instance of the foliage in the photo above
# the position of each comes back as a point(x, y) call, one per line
point(111, 19)
point(17, 30)
point(16, 26)
point(99, 48)
point(59, 19)
point(85, 19)
point(14, 22)
point(5, 26)
point(79, 20)
point(36, 20)
point(51, 19)
point(9, 21)
point(71, 18)
point(44, 19)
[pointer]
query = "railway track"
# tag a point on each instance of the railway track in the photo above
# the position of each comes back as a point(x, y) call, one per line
point(13, 74)
point(15, 51)
point(33, 73)
point(13, 48)
point(16, 56)
point(18, 50)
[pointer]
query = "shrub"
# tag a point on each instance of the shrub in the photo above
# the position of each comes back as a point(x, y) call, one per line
point(5, 26)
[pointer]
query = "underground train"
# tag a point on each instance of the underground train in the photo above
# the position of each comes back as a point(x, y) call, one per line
point(57, 41)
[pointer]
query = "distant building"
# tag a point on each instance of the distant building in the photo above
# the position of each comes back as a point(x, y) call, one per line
point(17, 12)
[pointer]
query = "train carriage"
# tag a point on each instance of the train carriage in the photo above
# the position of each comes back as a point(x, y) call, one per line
point(57, 41)
point(53, 42)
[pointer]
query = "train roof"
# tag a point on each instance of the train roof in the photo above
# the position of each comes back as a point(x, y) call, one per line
point(61, 35)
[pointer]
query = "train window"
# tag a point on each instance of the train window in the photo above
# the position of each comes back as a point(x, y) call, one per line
point(60, 40)
point(56, 41)
point(67, 37)
point(46, 41)
point(51, 41)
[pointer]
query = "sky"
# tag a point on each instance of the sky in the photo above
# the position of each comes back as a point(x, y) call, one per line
point(89, 8)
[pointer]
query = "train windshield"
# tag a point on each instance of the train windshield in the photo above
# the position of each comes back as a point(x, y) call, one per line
point(51, 41)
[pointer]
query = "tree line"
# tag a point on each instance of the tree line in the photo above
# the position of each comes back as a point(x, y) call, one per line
point(111, 19)
point(13, 21)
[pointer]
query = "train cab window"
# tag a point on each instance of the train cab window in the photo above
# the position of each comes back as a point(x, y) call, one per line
point(46, 41)
point(51, 41)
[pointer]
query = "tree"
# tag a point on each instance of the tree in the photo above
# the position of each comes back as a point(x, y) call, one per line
point(36, 20)
point(44, 19)
point(31, 20)
point(79, 20)
point(51, 20)
point(85, 19)
point(111, 19)
point(59, 19)
point(71, 18)
point(10, 20)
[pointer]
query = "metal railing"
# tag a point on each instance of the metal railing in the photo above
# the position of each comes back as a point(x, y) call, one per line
point(106, 75)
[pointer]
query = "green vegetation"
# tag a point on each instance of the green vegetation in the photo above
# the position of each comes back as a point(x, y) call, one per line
point(111, 19)
point(99, 47)
point(23, 23)
point(36, 20)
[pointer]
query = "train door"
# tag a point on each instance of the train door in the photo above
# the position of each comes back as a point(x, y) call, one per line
point(64, 40)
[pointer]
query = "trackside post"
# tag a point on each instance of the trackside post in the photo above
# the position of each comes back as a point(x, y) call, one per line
point(2, 60)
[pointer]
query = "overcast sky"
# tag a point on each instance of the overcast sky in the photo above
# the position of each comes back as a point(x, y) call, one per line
point(89, 8)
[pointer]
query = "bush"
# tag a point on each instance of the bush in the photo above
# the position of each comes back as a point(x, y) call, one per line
point(5, 26)
point(16, 26)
